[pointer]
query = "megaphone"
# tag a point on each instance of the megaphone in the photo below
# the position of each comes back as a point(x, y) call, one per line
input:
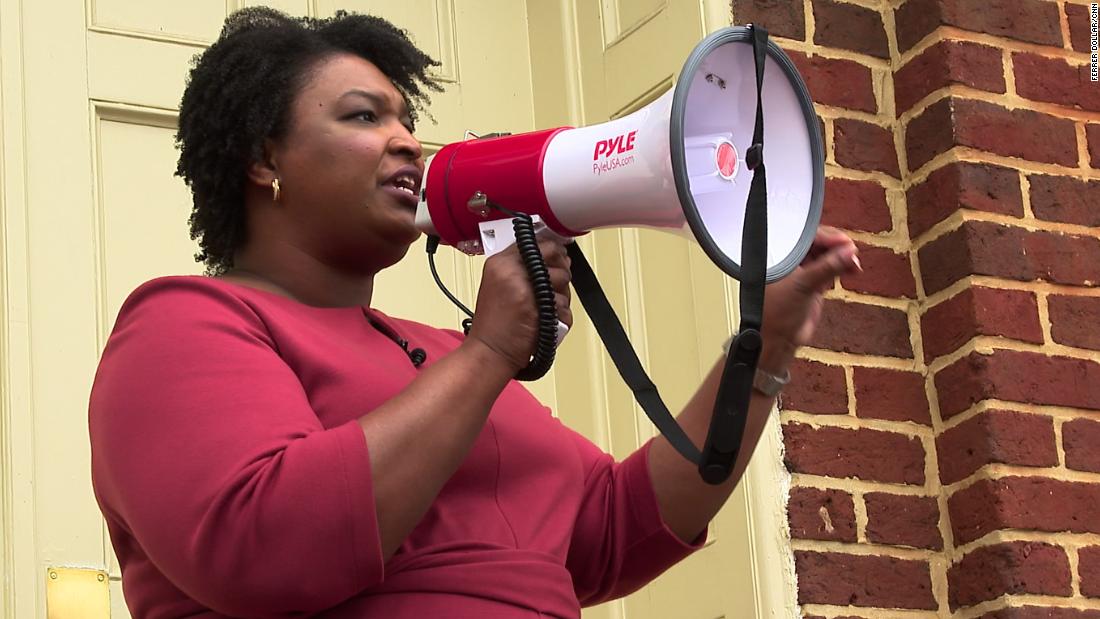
point(692, 163)
point(676, 165)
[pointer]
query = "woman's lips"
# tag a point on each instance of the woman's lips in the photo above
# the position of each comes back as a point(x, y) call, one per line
point(402, 196)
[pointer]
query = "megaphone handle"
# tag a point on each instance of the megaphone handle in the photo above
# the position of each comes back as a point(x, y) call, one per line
point(550, 329)
point(499, 234)
point(727, 424)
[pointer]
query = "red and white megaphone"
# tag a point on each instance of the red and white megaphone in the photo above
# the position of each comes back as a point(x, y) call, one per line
point(692, 162)
point(677, 164)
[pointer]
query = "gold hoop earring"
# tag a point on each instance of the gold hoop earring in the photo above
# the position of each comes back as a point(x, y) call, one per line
point(275, 189)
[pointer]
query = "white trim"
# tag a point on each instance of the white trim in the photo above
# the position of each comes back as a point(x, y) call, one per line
point(18, 547)
point(767, 485)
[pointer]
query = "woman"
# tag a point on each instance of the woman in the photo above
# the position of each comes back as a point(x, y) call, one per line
point(263, 445)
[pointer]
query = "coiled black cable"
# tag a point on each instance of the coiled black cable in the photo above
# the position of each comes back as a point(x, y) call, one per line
point(546, 345)
point(528, 246)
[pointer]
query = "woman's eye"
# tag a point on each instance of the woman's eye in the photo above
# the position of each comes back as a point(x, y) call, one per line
point(367, 116)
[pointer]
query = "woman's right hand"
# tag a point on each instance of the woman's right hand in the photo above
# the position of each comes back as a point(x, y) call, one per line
point(506, 316)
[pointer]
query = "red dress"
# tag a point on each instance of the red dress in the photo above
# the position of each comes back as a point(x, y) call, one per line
point(235, 479)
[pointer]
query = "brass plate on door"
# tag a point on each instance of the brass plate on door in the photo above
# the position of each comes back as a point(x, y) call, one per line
point(77, 593)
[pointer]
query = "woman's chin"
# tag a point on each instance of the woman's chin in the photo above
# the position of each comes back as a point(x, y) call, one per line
point(407, 233)
point(401, 239)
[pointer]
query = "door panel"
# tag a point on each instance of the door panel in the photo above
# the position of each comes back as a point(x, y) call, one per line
point(198, 19)
point(124, 68)
point(135, 159)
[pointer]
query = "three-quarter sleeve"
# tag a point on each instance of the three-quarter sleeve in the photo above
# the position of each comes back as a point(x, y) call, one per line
point(205, 449)
point(620, 543)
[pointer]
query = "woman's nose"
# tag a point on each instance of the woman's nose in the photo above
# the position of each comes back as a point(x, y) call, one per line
point(405, 143)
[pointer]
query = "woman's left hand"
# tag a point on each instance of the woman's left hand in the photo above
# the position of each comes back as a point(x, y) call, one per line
point(792, 310)
point(792, 306)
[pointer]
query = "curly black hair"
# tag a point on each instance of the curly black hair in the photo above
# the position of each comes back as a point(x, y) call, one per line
point(239, 94)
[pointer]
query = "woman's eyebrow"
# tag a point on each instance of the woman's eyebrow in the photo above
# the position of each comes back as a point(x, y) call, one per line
point(377, 99)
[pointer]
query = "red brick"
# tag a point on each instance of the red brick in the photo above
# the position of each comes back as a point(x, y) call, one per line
point(903, 520)
point(1065, 199)
point(1079, 440)
point(865, 146)
point(886, 273)
point(816, 388)
point(1013, 568)
point(875, 581)
point(963, 383)
point(836, 82)
point(1033, 21)
point(914, 20)
point(948, 62)
point(1092, 135)
point(963, 185)
point(893, 395)
point(948, 259)
point(1078, 17)
point(1038, 612)
point(995, 436)
point(1027, 503)
point(856, 205)
point(980, 311)
point(984, 248)
point(1055, 81)
point(1075, 321)
point(1018, 376)
point(1088, 568)
point(984, 126)
point(851, 27)
point(1063, 258)
point(783, 19)
point(863, 329)
point(930, 133)
point(1015, 133)
point(871, 455)
point(822, 514)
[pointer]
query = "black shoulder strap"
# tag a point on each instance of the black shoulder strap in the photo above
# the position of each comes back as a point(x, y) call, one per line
point(727, 425)
point(622, 353)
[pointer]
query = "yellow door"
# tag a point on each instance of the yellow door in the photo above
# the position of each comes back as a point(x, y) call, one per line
point(90, 209)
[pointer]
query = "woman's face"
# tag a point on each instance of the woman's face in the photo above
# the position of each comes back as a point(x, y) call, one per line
point(349, 168)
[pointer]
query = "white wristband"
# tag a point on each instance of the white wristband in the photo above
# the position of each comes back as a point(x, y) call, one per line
point(765, 382)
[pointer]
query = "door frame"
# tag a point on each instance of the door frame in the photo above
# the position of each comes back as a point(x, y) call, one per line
point(17, 545)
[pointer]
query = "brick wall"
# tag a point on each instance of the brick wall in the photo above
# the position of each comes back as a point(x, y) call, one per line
point(943, 432)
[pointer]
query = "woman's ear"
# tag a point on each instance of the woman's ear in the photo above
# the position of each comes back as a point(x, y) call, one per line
point(265, 169)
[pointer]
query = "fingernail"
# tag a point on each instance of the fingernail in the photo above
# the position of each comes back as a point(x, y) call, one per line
point(855, 260)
